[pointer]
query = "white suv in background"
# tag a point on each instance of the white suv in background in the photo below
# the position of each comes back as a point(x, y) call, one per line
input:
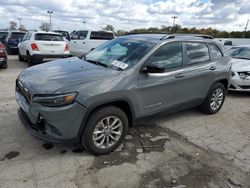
point(83, 41)
point(37, 46)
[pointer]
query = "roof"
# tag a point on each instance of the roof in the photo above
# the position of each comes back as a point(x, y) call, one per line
point(162, 37)
point(44, 32)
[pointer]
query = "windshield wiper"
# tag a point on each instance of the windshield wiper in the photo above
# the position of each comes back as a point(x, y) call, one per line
point(96, 62)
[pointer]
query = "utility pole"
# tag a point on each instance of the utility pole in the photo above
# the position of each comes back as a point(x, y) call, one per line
point(174, 17)
point(50, 12)
point(246, 28)
point(84, 22)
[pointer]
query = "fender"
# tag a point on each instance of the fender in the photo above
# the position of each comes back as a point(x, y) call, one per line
point(103, 103)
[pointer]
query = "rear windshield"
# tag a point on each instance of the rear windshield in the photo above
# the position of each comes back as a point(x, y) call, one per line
point(48, 37)
point(100, 35)
point(17, 35)
point(3, 35)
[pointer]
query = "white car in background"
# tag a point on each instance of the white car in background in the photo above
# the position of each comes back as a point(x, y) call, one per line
point(38, 46)
point(240, 79)
point(83, 41)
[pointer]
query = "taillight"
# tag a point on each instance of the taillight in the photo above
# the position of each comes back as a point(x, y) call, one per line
point(66, 48)
point(1, 46)
point(34, 47)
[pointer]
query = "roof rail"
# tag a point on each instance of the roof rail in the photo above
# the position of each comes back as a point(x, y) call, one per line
point(186, 35)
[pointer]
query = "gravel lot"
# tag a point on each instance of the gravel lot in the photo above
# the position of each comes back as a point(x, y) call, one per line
point(185, 149)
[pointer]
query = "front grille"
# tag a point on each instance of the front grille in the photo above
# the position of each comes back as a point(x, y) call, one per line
point(245, 87)
point(23, 90)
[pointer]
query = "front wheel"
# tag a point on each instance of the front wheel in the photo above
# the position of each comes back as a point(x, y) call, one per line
point(214, 99)
point(105, 130)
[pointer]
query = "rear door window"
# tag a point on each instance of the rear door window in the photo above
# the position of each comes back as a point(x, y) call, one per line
point(48, 37)
point(100, 35)
point(197, 52)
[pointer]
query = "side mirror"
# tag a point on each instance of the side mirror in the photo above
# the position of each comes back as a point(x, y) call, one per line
point(153, 69)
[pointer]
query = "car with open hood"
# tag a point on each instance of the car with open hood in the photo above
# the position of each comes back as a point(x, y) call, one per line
point(240, 80)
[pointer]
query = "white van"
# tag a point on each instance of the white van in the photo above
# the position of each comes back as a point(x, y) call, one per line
point(83, 41)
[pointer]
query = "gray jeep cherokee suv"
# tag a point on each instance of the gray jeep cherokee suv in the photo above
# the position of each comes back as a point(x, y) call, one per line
point(93, 100)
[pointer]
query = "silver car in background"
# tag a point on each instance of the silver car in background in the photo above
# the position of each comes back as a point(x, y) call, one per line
point(240, 79)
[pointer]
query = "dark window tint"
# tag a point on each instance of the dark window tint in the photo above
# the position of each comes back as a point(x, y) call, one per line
point(215, 52)
point(79, 35)
point(98, 35)
point(17, 36)
point(3, 35)
point(48, 37)
point(197, 53)
point(169, 56)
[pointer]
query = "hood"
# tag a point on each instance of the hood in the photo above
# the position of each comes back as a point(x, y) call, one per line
point(239, 65)
point(49, 77)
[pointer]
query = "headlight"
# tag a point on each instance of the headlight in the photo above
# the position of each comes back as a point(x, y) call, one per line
point(55, 100)
point(243, 76)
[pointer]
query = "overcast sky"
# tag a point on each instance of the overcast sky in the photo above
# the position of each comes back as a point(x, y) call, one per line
point(127, 14)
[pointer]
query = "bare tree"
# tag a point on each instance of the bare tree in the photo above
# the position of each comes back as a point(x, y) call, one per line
point(44, 26)
point(109, 28)
point(13, 25)
point(22, 28)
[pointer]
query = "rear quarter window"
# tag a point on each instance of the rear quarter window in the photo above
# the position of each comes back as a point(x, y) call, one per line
point(97, 35)
point(48, 37)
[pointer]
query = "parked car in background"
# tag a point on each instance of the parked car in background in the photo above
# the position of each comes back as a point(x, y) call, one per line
point(38, 46)
point(3, 35)
point(65, 34)
point(83, 41)
point(12, 40)
point(3, 57)
point(93, 100)
point(240, 79)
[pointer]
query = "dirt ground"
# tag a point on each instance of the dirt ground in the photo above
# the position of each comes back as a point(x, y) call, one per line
point(185, 149)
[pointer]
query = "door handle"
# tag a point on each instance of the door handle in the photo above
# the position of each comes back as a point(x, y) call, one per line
point(75, 42)
point(179, 75)
point(83, 42)
point(212, 68)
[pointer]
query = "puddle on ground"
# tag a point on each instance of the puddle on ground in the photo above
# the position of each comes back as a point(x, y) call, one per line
point(11, 155)
point(77, 150)
point(47, 146)
point(63, 151)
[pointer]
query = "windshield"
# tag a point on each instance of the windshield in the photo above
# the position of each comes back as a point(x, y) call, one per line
point(119, 54)
point(240, 52)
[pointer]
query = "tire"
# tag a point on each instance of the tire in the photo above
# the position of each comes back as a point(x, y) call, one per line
point(116, 116)
point(20, 58)
point(215, 99)
point(30, 59)
point(4, 66)
point(9, 51)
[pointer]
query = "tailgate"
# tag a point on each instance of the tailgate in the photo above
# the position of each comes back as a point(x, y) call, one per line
point(51, 47)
